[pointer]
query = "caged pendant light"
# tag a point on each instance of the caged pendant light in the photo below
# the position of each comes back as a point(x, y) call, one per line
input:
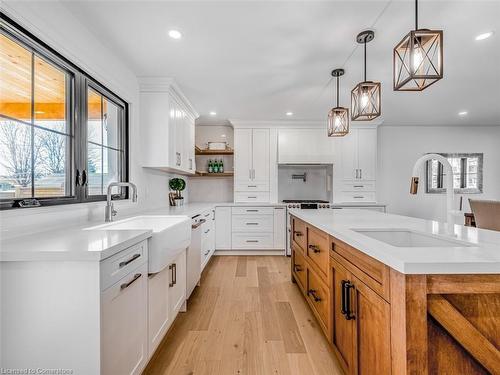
point(338, 117)
point(418, 59)
point(365, 97)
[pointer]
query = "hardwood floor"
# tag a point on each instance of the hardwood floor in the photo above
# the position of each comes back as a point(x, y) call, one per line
point(245, 318)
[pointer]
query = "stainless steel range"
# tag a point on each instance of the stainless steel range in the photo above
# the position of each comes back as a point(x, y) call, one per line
point(301, 204)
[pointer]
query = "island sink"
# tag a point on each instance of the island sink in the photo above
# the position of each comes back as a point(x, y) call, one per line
point(171, 234)
point(409, 238)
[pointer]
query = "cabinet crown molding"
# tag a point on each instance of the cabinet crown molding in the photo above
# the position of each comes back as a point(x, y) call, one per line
point(296, 124)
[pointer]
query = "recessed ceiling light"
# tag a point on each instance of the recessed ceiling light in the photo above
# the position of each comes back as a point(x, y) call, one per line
point(175, 34)
point(484, 36)
point(463, 113)
point(289, 113)
point(213, 113)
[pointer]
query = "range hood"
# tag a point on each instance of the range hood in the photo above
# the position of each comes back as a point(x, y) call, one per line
point(304, 147)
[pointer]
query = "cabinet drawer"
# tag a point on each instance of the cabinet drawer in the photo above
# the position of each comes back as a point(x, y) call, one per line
point(319, 296)
point(244, 197)
point(251, 186)
point(370, 271)
point(299, 267)
point(252, 210)
point(299, 233)
point(252, 240)
point(362, 196)
point(358, 186)
point(252, 223)
point(119, 265)
point(318, 249)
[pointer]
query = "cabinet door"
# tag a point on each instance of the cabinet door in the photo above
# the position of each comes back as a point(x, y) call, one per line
point(159, 318)
point(305, 145)
point(343, 329)
point(349, 155)
point(260, 152)
point(279, 227)
point(373, 331)
point(242, 155)
point(177, 290)
point(124, 333)
point(367, 154)
point(176, 141)
point(223, 228)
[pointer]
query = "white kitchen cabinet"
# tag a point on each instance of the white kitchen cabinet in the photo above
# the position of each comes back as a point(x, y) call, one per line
point(251, 160)
point(207, 237)
point(168, 123)
point(358, 154)
point(124, 324)
point(305, 146)
point(279, 219)
point(355, 167)
point(223, 228)
point(159, 314)
point(177, 285)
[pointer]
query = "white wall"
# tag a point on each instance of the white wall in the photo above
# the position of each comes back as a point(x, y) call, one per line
point(400, 146)
point(55, 25)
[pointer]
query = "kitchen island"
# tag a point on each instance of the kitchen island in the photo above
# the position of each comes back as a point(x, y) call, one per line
point(400, 295)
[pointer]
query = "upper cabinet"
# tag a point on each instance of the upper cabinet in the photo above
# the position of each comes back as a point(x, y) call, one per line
point(167, 127)
point(251, 164)
point(358, 154)
point(304, 146)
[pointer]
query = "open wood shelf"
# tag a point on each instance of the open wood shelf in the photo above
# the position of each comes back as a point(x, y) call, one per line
point(199, 151)
point(207, 174)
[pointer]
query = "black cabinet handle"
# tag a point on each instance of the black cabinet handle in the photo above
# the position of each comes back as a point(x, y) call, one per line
point(175, 273)
point(126, 285)
point(297, 268)
point(124, 263)
point(78, 178)
point(312, 293)
point(346, 297)
point(297, 233)
point(314, 248)
point(84, 177)
point(171, 283)
point(343, 308)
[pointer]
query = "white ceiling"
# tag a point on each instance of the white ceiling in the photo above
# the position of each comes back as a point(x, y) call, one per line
point(257, 60)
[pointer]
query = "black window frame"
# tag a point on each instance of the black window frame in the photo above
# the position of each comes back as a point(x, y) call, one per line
point(77, 116)
point(440, 189)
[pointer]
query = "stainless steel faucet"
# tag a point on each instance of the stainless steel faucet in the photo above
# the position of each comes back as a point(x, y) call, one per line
point(110, 211)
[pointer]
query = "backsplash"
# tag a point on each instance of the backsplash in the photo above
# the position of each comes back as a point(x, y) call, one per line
point(317, 184)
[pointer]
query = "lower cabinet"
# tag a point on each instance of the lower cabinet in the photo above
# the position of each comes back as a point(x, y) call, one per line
point(207, 237)
point(223, 228)
point(354, 317)
point(124, 346)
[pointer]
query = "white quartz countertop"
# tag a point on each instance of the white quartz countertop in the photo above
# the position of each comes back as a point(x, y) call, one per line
point(482, 256)
point(77, 244)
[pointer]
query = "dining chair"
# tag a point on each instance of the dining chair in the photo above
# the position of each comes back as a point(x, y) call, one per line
point(486, 213)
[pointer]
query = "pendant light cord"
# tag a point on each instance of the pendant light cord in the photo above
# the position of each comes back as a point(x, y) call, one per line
point(416, 15)
point(365, 59)
point(337, 91)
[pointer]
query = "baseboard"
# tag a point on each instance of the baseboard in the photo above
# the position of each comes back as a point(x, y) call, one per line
point(250, 252)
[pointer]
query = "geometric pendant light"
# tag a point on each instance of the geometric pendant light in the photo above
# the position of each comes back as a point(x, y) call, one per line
point(418, 59)
point(338, 117)
point(365, 97)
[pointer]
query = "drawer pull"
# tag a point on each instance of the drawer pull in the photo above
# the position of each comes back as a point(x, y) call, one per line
point(208, 230)
point(315, 249)
point(358, 186)
point(252, 241)
point(297, 233)
point(252, 186)
point(126, 262)
point(126, 285)
point(252, 197)
point(358, 197)
point(207, 252)
point(312, 293)
point(252, 223)
point(297, 268)
point(252, 210)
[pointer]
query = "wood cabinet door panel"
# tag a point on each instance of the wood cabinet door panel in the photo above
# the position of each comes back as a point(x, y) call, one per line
point(299, 267)
point(319, 295)
point(343, 329)
point(299, 233)
point(318, 245)
point(373, 331)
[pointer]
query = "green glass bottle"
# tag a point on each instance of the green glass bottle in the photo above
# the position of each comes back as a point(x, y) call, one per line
point(216, 166)
point(210, 166)
point(221, 166)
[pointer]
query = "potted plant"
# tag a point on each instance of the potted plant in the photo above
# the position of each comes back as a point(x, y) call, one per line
point(177, 185)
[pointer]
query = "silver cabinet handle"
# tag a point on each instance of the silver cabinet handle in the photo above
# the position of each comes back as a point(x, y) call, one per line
point(126, 285)
point(252, 210)
point(194, 226)
point(252, 241)
point(249, 174)
point(252, 223)
point(124, 263)
point(360, 173)
point(252, 186)
point(358, 196)
point(207, 252)
point(358, 186)
point(252, 197)
point(208, 230)
point(173, 275)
